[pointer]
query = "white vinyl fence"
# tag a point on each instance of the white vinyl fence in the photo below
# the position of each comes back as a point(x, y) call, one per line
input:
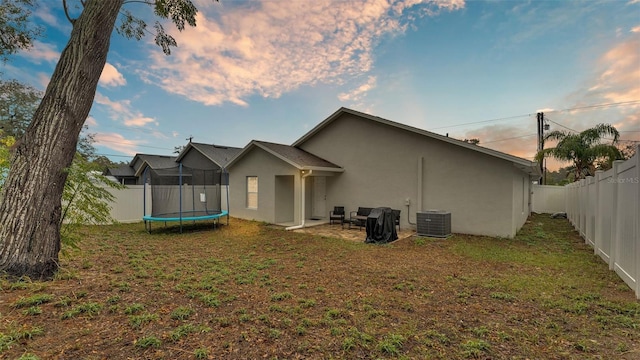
point(128, 203)
point(548, 199)
point(604, 209)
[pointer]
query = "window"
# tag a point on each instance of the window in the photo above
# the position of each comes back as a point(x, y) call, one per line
point(252, 192)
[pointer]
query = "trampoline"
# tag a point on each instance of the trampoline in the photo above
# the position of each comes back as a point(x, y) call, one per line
point(185, 195)
point(186, 216)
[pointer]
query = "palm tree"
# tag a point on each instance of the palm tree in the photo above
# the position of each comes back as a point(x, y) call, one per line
point(583, 149)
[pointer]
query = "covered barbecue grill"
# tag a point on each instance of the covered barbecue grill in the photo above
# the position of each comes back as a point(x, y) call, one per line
point(381, 226)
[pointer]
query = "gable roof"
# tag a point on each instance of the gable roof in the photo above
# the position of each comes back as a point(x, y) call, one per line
point(522, 164)
point(296, 157)
point(153, 161)
point(121, 171)
point(219, 155)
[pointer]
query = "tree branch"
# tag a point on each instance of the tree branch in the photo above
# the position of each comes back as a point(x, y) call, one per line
point(66, 12)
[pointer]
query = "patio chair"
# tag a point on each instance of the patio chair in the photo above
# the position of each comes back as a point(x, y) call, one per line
point(359, 218)
point(337, 214)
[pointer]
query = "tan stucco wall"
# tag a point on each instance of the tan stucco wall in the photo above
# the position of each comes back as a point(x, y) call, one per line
point(521, 200)
point(381, 169)
point(259, 163)
point(196, 159)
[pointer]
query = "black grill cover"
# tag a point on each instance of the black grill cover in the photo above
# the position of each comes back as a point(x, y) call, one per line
point(381, 226)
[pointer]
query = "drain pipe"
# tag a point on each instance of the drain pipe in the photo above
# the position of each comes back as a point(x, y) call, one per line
point(304, 195)
point(419, 200)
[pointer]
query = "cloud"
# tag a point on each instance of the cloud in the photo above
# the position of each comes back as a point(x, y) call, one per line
point(46, 14)
point(266, 49)
point(619, 79)
point(139, 121)
point(91, 121)
point(117, 142)
point(357, 93)
point(123, 112)
point(40, 52)
point(616, 79)
point(515, 140)
point(635, 29)
point(111, 76)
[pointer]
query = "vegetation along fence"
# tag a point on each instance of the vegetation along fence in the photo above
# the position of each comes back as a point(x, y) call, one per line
point(604, 209)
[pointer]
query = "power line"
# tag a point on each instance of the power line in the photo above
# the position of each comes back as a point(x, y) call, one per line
point(622, 103)
point(570, 129)
point(511, 138)
point(480, 122)
point(125, 143)
point(124, 156)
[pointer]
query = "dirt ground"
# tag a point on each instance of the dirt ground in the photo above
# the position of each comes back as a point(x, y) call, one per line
point(250, 290)
point(354, 234)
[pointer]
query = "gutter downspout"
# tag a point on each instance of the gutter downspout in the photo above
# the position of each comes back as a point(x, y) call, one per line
point(302, 179)
point(419, 191)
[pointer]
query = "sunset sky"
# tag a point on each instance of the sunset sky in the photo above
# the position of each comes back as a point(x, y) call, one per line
point(271, 70)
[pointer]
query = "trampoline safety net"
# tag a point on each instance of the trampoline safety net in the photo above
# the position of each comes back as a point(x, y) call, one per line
point(200, 195)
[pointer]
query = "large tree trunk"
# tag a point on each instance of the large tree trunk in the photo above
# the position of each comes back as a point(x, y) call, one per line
point(31, 201)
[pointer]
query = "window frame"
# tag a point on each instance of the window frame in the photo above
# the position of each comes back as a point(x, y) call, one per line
point(252, 192)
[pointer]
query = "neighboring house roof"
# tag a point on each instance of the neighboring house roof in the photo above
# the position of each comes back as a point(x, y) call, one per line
point(153, 161)
point(220, 155)
point(523, 164)
point(298, 158)
point(121, 171)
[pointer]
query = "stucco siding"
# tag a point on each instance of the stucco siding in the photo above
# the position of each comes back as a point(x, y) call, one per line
point(384, 166)
point(521, 200)
point(197, 160)
point(266, 167)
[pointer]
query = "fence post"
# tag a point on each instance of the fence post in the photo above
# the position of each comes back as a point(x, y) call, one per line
point(597, 240)
point(613, 256)
point(636, 181)
point(584, 204)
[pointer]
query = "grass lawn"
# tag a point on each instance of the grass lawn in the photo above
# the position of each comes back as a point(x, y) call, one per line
point(252, 291)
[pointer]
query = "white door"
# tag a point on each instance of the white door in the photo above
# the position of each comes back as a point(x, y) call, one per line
point(319, 197)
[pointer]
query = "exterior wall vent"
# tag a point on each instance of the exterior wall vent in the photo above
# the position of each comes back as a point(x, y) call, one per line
point(434, 223)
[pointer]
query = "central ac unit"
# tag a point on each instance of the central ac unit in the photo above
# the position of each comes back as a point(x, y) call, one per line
point(434, 223)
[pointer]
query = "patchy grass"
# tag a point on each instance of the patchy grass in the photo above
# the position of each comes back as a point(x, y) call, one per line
point(250, 290)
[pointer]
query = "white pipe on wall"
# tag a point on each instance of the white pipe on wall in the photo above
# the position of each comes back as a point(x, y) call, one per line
point(304, 195)
point(420, 183)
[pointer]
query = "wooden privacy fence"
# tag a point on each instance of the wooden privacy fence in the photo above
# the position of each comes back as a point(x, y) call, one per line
point(604, 209)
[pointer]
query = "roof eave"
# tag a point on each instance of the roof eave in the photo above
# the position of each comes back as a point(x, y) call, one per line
point(481, 149)
point(323, 168)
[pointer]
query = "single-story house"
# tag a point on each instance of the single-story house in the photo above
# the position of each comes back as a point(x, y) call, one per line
point(132, 174)
point(353, 159)
point(207, 156)
point(195, 155)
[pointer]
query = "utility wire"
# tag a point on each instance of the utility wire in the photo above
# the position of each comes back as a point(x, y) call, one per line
point(622, 103)
point(482, 121)
point(511, 138)
point(125, 143)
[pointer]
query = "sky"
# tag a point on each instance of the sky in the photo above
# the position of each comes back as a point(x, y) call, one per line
point(271, 70)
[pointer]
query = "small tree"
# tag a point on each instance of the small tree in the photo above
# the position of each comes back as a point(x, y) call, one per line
point(584, 150)
point(86, 198)
point(18, 102)
point(16, 31)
